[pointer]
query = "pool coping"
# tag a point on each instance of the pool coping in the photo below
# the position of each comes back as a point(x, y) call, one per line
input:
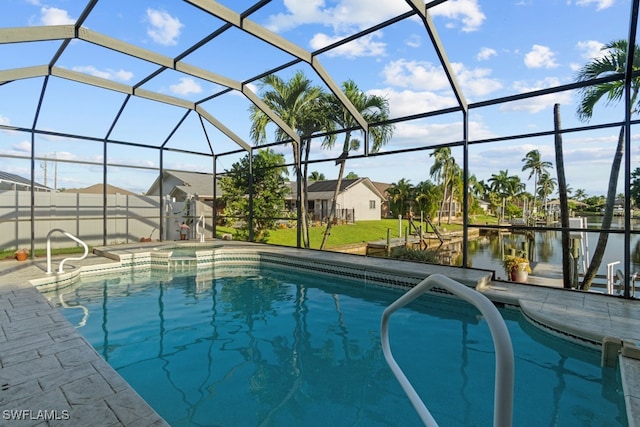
point(34, 327)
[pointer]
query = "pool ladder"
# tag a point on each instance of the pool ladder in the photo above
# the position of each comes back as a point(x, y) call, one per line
point(503, 395)
point(72, 237)
point(200, 225)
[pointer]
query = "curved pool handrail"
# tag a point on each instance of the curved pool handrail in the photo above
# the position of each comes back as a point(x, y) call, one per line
point(72, 237)
point(198, 232)
point(504, 378)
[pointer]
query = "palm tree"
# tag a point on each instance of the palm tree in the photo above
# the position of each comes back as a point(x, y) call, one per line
point(580, 194)
point(507, 187)
point(316, 176)
point(296, 102)
point(400, 195)
point(373, 108)
point(536, 166)
point(426, 194)
point(546, 185)
point(441, 171)
point(613, 62)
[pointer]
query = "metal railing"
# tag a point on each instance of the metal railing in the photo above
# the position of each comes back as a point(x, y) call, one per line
point(200, 227)
point(503, 395)
point(72, 237)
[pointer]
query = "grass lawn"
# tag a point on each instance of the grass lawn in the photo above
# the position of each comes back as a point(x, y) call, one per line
point(361, 231)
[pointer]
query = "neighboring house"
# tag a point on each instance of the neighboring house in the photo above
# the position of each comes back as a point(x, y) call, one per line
point(99, 189)
point(484, 205)
point(10, 181)
point(383, 188)
point(358, 199)
point(184, 185)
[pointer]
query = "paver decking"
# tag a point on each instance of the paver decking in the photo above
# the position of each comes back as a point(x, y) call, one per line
point(49, 374)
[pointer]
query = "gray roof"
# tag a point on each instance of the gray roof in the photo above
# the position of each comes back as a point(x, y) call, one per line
point(17, 179)
point(330, 185)
point(192, 183)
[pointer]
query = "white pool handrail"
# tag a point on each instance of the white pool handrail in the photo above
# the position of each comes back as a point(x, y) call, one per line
point(503, 395)
point(198, 232)
point(72, 237)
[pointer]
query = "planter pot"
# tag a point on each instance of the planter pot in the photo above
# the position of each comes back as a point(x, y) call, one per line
point(519, 276)
point(21, 257)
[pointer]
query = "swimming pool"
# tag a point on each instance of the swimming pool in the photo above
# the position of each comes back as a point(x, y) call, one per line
point(261, 346)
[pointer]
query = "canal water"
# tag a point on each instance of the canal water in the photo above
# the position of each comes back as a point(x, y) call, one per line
point(545, 248)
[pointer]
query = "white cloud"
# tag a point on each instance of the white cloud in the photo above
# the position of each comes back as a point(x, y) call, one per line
point(414, 41)
point(359, 14)
point(600, 4)
point(539, 103)
point(407, 102)
point(55, 16)
point(466, 11)
point(424, 75)
point(422, 130)
point(345, 14)
point(5, 121)
point(363, 46)
point(163, 28)
point(486, 53)
point(590, 49)
point(186, 86)
point(109, 74)
point(22, 147)
point(415, 74)
point(540, 57)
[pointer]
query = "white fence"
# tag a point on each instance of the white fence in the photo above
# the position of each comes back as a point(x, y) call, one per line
point(129, 218)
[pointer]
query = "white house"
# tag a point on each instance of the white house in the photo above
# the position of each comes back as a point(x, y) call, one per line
point(358, 199)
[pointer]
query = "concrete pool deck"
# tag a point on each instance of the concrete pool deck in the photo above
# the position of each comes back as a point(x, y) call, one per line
point(50, 375)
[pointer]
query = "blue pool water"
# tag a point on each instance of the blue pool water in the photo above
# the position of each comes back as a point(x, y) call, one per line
point(263, 347)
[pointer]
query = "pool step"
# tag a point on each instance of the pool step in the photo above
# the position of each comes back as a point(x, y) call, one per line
point(179, 263)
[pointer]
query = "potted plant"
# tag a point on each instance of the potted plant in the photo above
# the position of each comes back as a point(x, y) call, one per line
point(517, 268)
point(22, 254)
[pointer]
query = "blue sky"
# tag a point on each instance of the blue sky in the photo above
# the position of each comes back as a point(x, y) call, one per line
point(496, 48)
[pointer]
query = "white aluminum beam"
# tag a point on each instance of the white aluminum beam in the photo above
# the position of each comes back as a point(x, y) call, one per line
point(208, 75)
point(269, 112)
point(90, 80)
point(222, 128)
point(166, 99)
point(23, 73)
point(420, 8)
point(126, 48)
point(339, 94)
point(219, 11)
point(33, 34)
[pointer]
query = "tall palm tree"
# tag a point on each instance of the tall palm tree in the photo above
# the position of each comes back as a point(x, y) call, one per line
point(297, 103)
point(373, 108)
point(613, 62)
point(455, 185)
point(441, 171)
point(536, 166)
point(546, 186)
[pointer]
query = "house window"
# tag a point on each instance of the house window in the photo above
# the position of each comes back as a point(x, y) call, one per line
point(372, 204)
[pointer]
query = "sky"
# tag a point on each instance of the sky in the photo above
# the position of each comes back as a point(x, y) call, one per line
point(496, 49)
